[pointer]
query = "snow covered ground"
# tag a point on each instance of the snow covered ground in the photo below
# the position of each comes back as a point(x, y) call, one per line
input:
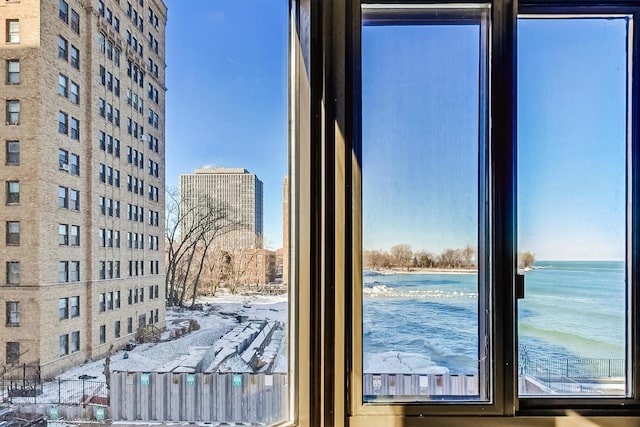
point(218, 317)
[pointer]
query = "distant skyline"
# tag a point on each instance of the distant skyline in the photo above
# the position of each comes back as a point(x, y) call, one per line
point(227, 94)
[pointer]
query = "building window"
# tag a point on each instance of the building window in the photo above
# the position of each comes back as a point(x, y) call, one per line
point(74, 93)
point(63, 48)
point(101, 304)
point(63, 123)
point(63, 197)
point(13, 313)
point(74, 273)
point(116, 299)
point(75, 57)
point(13, 353)
point(75, 306)
point(13, 153)
point(116, 329)
point(75, 128)
point(75, 164)
point(63, 234)
point(74, 237)
point(75, 21)
point(64, 344)
point(63, 159)
point(130, 325)
point(62, 85)
point(13, 31)
point(13, 112)
point(74, 200)
point(103, 334)
point(63, 308)
point(13, 233)
point(110, 301)
point(63, 271)
point(75, 341)
point(13, 273)
point(13, 192)
point(63, 11)
point(13, 71)
point(102, 268)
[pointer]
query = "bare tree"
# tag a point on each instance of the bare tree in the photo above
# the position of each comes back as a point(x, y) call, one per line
point(402, 255)
point(189, 234)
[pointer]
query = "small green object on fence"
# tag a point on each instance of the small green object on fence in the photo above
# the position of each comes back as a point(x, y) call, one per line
point(144, 379)
point(53, 413)
point(100, 414)
point(191, 379)
point(237, 380)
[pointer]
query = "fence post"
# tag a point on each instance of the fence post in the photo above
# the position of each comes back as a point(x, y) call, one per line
point(83, 400)
point(59, 391)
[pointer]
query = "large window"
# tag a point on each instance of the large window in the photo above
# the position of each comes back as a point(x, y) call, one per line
point(13, 31)
point(484, 169)
point(424, 143)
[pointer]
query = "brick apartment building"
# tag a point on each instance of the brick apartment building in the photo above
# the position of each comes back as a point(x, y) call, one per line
point(82, 174)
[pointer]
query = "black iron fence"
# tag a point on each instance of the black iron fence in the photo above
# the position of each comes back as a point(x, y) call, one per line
point(61, 392)
point(576, 369)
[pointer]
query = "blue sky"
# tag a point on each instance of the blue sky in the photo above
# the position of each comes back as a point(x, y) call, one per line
point(420, 137)
point(226, 100)
point(227, 106)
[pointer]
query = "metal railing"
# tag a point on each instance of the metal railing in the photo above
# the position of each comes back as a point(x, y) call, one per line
point(61, 392)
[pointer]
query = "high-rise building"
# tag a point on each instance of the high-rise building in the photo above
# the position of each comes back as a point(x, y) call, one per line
point(231, 198)
point(82, 94)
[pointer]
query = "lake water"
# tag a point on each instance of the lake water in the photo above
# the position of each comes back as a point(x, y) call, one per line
point(418, 322)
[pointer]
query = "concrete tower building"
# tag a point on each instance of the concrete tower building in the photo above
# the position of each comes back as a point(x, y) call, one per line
point(82, 173)
point(235, 190)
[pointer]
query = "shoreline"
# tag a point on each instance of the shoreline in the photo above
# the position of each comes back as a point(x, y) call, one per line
point(431, 270)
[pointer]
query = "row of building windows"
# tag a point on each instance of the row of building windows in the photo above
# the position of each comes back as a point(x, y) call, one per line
point(109, 175)
point(109, 16)
point(110, 270)
point(153, 143)
point(153, 43)
point(135, 157)
point(109, 144)
point(137, 131)
point(133, 42)
point(154, 168)
point(136, 74)
point(107, 47)
point(68, 235)
point(68, 54)
point(111, 83)
point(69, 308)
point(135, 17)
point(73, 18)
point(64, 340)
point(68, 198)
point(153, 218)
point(135, 213)
point(108, 238)
point(153, 67)
point(68, 271)
point(69, 162)
point(68, 126)
point(69, 89)
point(153, 118)
point(109, 207)
point(152, 92)
point(153, 18)
point(108, 112)
point(135, 101)
point(108, 301)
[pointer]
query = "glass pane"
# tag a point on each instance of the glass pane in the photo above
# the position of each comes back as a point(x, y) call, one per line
point(572, 178)
point(423, 146)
